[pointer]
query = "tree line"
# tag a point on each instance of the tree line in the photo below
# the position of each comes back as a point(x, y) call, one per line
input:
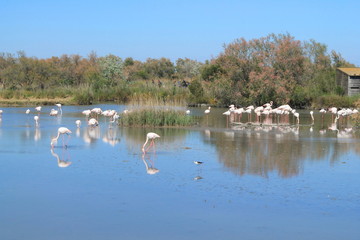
point(275, 68)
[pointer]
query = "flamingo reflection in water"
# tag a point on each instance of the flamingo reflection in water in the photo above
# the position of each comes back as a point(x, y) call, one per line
point(91, 134)
point(61, 163)
point(150, 169)
point(37, 134)
point(78, 125)
point(111, 137)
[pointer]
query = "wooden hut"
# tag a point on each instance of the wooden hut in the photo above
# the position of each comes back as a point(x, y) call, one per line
point(349, 80)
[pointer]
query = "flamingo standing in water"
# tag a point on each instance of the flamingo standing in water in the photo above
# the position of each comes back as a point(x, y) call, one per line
point(97, 112)
point(61, 131)
point(36, 118)
point(59, 106)
point(312, 117)
point(93, 122)
point(38, 109)
point(78, 123)
point(296, 114)
point(268, 104)
point(227, 113)
point(248, 111)
point(150, 136)
point(86, 113)
point(207, 111)
point(333, 110)
point(54, 112)
point(322, 111)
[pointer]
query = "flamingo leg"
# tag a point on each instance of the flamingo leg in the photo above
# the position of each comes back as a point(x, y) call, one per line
point(68, 138)
point(151, 143)
point(63, 140)
point(154, 145)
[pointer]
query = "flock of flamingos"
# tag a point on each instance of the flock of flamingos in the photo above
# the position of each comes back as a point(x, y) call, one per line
point(92, 121)
point(265, 115)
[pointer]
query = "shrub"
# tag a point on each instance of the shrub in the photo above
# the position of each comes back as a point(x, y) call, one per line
point(84, 98)
point(334, 101)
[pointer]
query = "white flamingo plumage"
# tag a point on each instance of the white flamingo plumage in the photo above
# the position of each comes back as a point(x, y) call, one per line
point(59, 106)
point(61, 131)
point(54, 112)
point(36, 118)
point(93, 122)
point(86, 112)
point(150, 136)
point(78, 123)
point(296, 114)
point(207, 111)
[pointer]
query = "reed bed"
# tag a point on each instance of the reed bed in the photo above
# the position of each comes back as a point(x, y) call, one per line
point(155, 118)
point(155, 113)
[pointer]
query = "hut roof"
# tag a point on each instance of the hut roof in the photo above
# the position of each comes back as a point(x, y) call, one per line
point(351, 71)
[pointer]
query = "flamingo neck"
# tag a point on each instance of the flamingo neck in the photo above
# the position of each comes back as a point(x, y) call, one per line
point(147, 139)
point(55, 138)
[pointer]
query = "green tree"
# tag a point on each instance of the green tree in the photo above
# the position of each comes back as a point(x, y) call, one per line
point(111, 69)
point(187, 68)
point(162, 68)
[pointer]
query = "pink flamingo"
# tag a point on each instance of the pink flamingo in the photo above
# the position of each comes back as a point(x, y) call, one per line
point(61, 131)
point(150, 136)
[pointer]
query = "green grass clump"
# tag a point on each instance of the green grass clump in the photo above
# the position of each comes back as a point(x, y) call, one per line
point(334, 101)
point(155, 117)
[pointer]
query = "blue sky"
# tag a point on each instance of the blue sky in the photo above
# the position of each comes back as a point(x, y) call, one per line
point(192, 29)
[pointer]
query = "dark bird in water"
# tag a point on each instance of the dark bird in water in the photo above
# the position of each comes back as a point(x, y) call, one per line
point(198, 162)
point(198, 178)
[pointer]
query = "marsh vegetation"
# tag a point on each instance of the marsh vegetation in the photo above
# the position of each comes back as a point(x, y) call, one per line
point(275, 68)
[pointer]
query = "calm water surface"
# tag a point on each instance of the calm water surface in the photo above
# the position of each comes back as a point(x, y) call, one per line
point(256, 182)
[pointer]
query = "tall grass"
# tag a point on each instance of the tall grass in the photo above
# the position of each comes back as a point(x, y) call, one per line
point(153, 117)
point(156, 113)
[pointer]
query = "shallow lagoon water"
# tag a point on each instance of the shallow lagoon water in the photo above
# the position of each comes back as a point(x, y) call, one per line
point(286, 182)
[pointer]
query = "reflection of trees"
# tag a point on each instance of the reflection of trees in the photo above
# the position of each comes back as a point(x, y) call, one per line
point(136, 136)
point(262, 150)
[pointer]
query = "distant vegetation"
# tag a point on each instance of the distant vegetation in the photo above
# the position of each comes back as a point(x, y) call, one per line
point(275, 68)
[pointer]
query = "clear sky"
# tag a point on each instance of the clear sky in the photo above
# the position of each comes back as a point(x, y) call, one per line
point(195, 29)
